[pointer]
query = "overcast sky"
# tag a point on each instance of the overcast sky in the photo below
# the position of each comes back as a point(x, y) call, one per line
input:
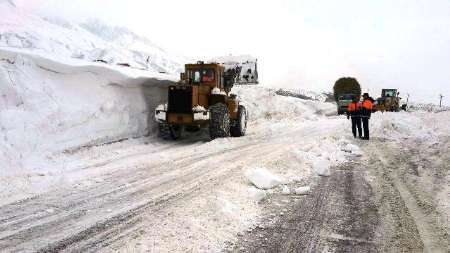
point(304, 44)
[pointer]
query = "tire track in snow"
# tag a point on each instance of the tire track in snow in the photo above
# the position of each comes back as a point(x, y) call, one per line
point(36, 227)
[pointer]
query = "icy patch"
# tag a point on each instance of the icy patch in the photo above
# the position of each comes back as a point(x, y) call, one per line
point(262, 178)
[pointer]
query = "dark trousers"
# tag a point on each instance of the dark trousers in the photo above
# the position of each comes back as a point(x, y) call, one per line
point(356, 124)
point(365, 123)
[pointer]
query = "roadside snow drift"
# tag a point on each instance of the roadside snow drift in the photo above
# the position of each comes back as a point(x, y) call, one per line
point(48, 107)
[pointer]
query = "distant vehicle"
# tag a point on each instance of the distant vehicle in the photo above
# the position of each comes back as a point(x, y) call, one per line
point(389, 101)
point(202, 99)
point(343, 102)
point(124, 64)
point(344, 90)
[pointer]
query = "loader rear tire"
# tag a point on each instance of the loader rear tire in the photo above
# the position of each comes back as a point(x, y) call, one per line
point(169, 132)
point(240, 125)
point(192, 129)
point(219, 122)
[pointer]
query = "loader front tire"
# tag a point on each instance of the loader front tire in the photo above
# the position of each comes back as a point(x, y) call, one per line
point(240, 125)
point(169, 132)
point(219, 122)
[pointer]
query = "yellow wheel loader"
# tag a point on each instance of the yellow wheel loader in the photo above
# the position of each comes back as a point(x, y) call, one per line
point(389, 101)
point(202, 99)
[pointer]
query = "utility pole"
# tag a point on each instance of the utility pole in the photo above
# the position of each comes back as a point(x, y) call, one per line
point(440, 100)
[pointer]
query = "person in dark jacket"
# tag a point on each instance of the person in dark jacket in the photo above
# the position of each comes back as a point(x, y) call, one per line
point(366, 112)
point(354, 111)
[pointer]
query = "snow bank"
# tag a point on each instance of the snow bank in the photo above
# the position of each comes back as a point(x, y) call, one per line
point(420, 124)
point(48, 107)
point(303, 94)
point(264, 104)
point(262, 178)
point(416, 107)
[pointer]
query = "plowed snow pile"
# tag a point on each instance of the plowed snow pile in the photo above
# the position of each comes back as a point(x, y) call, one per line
point(49, 107)
point(62, 88)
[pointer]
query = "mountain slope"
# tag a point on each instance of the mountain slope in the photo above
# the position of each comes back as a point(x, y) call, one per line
point(90, 41)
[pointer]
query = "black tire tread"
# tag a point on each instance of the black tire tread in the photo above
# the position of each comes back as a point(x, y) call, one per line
point(219, 122)
point(236, 130)
point(167, 132)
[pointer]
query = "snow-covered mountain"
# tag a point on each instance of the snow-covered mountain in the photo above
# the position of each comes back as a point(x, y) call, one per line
point(89, 41)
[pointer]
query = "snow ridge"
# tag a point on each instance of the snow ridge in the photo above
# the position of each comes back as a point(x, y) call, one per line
point(89, 41)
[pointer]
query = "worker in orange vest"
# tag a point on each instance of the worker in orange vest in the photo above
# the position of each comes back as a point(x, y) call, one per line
point(354, 111)
point(366, 112)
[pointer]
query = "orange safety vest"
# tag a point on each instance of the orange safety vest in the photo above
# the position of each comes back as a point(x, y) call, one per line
point(367, 104)
point(354, 106)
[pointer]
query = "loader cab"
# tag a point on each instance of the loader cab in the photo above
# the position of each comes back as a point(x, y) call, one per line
point(209, 74)
point(389, 93)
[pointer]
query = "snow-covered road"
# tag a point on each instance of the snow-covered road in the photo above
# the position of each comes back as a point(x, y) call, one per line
point(385, 201)
point(149, 195)
point(156, 193)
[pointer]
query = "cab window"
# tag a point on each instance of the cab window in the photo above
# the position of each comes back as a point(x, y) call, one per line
point(201, 76)
point(389, 93)
point(196, 76)
point(207, 75)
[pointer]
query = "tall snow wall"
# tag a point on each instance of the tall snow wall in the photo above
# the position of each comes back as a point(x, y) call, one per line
point(47, 107)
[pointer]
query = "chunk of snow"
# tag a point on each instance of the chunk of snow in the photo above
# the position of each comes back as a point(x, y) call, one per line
point(302, 190)
point(198, 108)
point(201, 116)
point(286, 190)
point(217, 91)
point(262, 178)
point(161, 107)
point(322, 167)
point(256, 194)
